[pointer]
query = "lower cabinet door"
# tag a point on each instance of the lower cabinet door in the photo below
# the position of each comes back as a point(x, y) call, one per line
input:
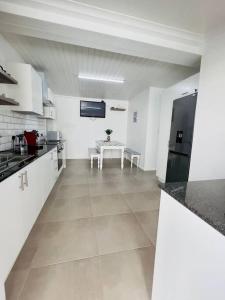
point(22, 197)
point(12, 231)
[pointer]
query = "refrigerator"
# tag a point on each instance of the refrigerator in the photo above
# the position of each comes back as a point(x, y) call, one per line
point(181, 135)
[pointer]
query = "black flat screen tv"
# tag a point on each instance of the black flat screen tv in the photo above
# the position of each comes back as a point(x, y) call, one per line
point(92, 109)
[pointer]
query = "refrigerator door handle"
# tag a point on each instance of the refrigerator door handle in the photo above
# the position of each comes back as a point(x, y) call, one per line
point(178, 153)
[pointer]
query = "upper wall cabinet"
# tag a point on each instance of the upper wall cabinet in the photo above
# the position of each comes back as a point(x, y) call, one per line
point(28, 91)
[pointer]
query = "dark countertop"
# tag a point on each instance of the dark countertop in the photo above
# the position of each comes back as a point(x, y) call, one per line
point(206, 199)
point(31, 154)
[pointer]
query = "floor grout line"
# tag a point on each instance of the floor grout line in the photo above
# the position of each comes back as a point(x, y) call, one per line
point(131, 212)
point(90, 257)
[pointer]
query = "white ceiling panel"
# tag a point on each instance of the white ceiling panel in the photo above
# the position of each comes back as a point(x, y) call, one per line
point(63, 62)
point(193, 15)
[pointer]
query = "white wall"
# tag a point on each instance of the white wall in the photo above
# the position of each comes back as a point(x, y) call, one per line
point(137, 132)
point(151, 150)
point(82, 133)
point(208, 159)
point(142, 136)
point(168, 95)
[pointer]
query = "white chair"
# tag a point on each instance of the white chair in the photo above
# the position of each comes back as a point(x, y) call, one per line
point(94, 154)
point(133, 154)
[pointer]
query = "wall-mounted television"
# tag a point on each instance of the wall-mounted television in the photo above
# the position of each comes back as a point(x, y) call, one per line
point(92, 109)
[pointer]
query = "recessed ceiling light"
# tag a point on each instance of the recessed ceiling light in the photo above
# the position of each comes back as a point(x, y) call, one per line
point(99, 78)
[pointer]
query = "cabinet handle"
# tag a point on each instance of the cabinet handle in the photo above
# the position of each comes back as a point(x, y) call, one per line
point(26, 179)
point(21, 182)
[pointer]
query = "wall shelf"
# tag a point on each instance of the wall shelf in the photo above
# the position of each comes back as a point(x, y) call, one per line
point(7, 101)
point(6, 78)
point(117, 108)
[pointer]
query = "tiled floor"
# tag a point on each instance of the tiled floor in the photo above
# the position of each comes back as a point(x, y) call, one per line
point(94, 239)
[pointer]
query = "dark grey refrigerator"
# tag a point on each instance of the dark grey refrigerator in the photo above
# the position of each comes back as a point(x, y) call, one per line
point(181, 135)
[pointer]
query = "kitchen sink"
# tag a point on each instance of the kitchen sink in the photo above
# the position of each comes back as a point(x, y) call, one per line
point(8, 161)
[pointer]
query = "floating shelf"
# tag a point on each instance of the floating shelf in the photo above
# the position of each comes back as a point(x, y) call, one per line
point(117, 108)
point(7, 101)
point(48, 103)
point(6, 78)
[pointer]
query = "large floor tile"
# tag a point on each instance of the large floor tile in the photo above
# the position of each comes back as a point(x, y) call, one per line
point(72, 191)
point(67, 209)
point(15, 283)
point(100, 189)
point(128, 186)
point(109, 205)
point(147, 176)
point(150, 185)
point(128, 275)
point(87, 279)
point(119, 233)
point(105, 178)
point(64, 241)
point(143, 201)
point(48, 283)
point(75, 179)
point(149, 223)
point(70, 281)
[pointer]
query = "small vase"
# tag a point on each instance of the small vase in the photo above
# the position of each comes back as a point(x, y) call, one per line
point(108, 138)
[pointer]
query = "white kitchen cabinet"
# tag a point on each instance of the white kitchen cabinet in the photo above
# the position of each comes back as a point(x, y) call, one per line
point(53, 170)
point(22, 197)
point(49, 112)
point(12, 235)
point(28, 91)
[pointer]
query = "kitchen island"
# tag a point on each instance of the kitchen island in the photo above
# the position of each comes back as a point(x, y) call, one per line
point(190, 249)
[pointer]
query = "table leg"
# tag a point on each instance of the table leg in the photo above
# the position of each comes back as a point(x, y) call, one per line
point(101, 158)
point(122, 158)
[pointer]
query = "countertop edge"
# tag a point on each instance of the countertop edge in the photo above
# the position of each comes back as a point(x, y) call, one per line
point(51, 147)
point(195, 212)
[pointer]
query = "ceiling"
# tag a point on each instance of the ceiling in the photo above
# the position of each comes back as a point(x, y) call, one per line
point(193, 15)
point(63, 62)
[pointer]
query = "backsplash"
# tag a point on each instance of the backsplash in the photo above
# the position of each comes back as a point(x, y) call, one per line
point(13, 123)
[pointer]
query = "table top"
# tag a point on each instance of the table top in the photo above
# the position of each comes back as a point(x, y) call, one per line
point(102, 143)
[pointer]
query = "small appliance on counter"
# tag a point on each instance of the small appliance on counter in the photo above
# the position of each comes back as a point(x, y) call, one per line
point(18, 143)
point(32, 141)
point(54, 136)
point(27, 142)
point(31, 137)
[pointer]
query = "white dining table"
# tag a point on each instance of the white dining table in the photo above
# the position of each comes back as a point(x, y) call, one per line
point(112, 145)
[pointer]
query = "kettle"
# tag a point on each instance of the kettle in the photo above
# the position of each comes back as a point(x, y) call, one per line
point(31, 137)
